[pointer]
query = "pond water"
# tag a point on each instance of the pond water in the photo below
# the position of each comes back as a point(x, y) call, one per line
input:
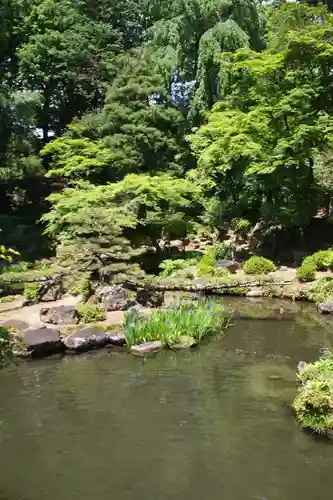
point(212, 423)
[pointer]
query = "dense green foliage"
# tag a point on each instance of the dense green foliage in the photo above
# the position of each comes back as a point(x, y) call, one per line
point(124, 125)
point(90, 313)
point(323, 259)
point(257, 265)
point(170, 325)
point(307, 271)
point(323, 289)
point(6, 347)
point(313, 403)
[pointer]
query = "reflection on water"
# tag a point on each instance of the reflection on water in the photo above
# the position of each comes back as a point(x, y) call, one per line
point(212, 423)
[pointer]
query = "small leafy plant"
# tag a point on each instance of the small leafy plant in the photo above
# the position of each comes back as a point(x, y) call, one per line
point(170, 266)
point(90, 313)
point(314, 400)
point(170, 325)
point(6, 346)
point(206, 266)
point(257, 265)
point(323, 259)
point(31, 291)
point(323, 289)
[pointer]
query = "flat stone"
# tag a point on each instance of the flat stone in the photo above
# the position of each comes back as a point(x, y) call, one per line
point(147, 348)
point(185, 342)
point(117, 338)
point(115, 297)
point(325, 307)
point(60, 315)
point(16, 324)
point(230, 265)
point(256, 292)
point(41, 341)
point(86, 339)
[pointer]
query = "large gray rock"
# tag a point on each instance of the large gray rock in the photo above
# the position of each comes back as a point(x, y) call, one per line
point(230, 265)
point(86, 339)
point(15, 324)
point(41, 341)
point(149, 298)
point(117, 338)
point(60, 315)
point(147, 348)
point(115, 297)
point(325, 307)
point(51, 291)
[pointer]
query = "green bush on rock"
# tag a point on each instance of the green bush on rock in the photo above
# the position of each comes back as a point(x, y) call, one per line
point(314, 400)
point(170, 266)
point(170, 325)
point(212, 254)
point(307, 271)
point(31, 291)
point(257, 265)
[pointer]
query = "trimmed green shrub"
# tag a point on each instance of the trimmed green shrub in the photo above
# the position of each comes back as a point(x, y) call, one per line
point(314, 399)
point(323, 289)
point(90, 313)
point(257, 265)
point(307, 271)
point(323, 259)
point(168, 325)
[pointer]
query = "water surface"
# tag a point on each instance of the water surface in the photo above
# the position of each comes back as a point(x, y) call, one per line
point(213, 423)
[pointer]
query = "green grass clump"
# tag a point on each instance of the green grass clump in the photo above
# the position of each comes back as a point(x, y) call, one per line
point(31, 291)
point(90, 313)
point(171, 266)
point(323, 289)
point(307, 271)
point(169, 325)
point(314, 400)
point(257, 265)
point(206, 266)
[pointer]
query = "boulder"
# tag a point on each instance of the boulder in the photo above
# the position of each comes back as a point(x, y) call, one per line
point(86, 339)
point(15, 324)
point(115, 297)
point(51, 291)
point(149, 298)
point(256, 292)
point(185, 342)
point(230, 265)
point(41, 341)
point(117, 338)
point(147, 348)
point(325, 307)
point(60, 315)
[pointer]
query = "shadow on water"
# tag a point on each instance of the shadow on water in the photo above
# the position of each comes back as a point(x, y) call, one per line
point(212, 423)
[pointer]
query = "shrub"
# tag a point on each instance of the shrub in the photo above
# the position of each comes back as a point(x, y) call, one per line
point(90, 313)
point(323, 289)
point(169, 325)
point(314, 399)
point(209, 258)
point(31, 291)
point(81, 287)
point(240, 225)
point(169, 266)
point(258, 265)
point(323, 259)
point(307, 271)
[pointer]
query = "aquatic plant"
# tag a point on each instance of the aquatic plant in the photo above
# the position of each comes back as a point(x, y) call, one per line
point(314, 400)
point(168, 325)
point(257, 265)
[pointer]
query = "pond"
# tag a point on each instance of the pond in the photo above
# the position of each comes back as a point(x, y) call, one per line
point(212, 423)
